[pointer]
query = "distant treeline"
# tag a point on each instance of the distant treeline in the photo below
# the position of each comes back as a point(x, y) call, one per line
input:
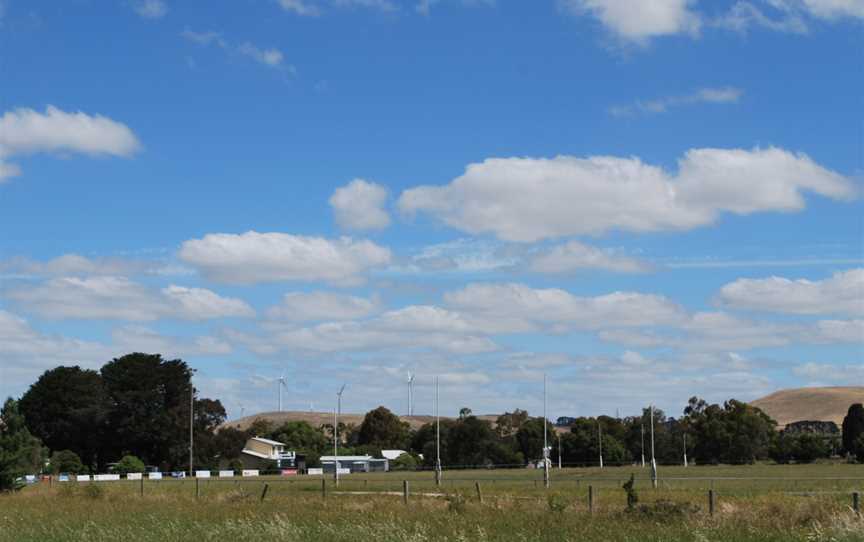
point(138, 406)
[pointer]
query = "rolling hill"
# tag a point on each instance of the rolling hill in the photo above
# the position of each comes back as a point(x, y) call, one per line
point(317, 419)
point(818, 404)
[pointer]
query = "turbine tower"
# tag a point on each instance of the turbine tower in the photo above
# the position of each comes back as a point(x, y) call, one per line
point(411, 378)
point(281, 384)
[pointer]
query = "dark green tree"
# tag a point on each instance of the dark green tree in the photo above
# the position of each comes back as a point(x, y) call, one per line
point(150, 408)
point(734, 433)
point(383, 429)
point(853, 428)
point(20, 452)
point(529, 438)
point(66, 461)
point(67, 409)
point(127, 464)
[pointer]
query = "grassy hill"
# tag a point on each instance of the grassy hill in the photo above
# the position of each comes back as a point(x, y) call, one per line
point(822, 404)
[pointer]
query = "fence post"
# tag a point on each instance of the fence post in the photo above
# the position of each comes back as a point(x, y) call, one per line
point(856, 502)
point(323, 488)
point(197, 487)
point(711, 499)
point(264, 492)
point(405, 491)
point(141, 485)
point(479, 493)
point(591, 499)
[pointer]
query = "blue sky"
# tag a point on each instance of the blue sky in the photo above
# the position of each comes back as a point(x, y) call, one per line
point(644, 200)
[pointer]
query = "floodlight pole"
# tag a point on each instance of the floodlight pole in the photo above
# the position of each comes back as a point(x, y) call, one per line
point(557, 434)
point(437, 438)
point(653, 458)
point(685, 450)
point(336, 414)
point(545, 444)
point(600, 441)
point(191, 426)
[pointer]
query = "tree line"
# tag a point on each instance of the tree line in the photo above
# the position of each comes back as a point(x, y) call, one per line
point(135, 412)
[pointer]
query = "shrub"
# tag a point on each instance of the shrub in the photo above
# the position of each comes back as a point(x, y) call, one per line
point(129, 463)
point(632, 496)
point(556, 503)
point(66, 461)
point(405, 461)
point(455, 503)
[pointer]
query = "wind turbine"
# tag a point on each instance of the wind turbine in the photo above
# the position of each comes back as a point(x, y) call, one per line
point(411, 378)
point(281, 384)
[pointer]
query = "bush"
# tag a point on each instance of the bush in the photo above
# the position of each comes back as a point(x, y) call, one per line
point(67, 462)
point(129, 463)
point(405, 461)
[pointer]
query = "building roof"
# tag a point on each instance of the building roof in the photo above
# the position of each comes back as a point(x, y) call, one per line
point(256, 454)
point(268, 441)
point(331, 458)
point(392, 454)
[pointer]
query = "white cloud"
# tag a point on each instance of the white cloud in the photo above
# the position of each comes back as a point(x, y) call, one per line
point(254, 257)
point(742, 15)
point(77, 265)
point(359, 205)
point(828, 9)
point(843, 293)
point(637, 20)
point(119, 298)
point(847, 375)
point(300, 7)
point(24, 131)
point(270, 57)
point(618, 309)
point(839, 331)
point(151, 9)
point(527, 199)
point(718, 95)
point(575, 256)
point(317, 306)
point(143, 339)
point(424, 7)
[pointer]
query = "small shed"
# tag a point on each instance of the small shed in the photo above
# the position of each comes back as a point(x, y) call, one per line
point(355, 463)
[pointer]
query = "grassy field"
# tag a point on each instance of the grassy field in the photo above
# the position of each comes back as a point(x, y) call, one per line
point(782, 503)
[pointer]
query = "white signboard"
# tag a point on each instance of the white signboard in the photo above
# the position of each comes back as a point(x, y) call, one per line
point(83, 478)
point(105, 477)
point(250, 472)
point(154, 475)
point(30, 478)
point(226, 474)
point(63, 478)
point(202, 474)
point(134, 476)
point(314, 471)
point(344, 471)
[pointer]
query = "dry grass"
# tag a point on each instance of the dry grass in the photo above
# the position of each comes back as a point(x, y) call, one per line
point(821, 404)
point(512, 510)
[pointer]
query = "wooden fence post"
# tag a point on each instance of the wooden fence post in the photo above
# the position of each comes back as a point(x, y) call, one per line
point(856, 502)
point(323, 488)
point(479, 493)
point(197, 488)
point(405, 491)
point(141, 485)
point(591, 499)
point(264, 491)
point(711, 499)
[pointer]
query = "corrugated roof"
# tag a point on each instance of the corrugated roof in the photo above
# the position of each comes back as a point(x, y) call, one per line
point(268, 441)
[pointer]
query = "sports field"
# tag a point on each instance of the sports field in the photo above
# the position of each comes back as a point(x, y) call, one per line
point(808, 503)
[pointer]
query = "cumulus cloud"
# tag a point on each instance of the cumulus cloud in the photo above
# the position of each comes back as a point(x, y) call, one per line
point(317, 306)
point(843, 293)
point(528, 199)
point(555, 306)
point(636, 20)
point(151, 9)
point(831, 372)
point(254, 257)
point(77, 265)
point(118, 298)
point(24, 131)
point(719, 95)
point(359, 205)
point(576, 256)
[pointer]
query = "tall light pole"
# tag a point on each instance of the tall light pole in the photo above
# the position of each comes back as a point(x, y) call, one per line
point(191, 426)
point(685, 450)
point(653, 458)
point(600, 441)
point(437, 438)
point(411, 393)
point(559, 448)
point(336, 414)
point(545, 444)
